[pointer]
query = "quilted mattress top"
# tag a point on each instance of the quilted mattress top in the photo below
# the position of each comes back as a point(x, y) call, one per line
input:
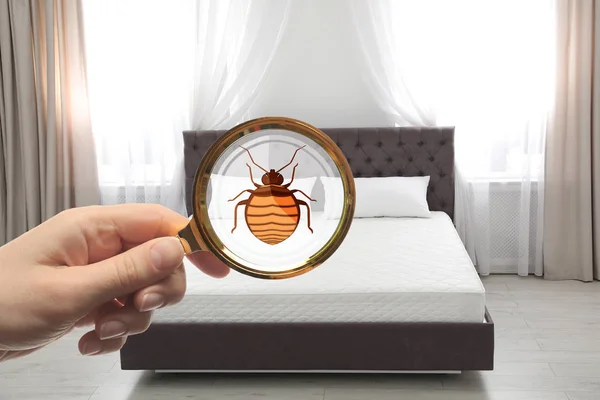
point(379, 255)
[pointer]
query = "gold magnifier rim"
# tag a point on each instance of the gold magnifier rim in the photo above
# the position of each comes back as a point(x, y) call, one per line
point(206, 236)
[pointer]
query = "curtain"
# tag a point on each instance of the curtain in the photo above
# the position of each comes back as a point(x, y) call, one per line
point(47, 156)
point(572, 217)
point(187, 65)
point(436, 62)
point(398, 89)
point(231, 67)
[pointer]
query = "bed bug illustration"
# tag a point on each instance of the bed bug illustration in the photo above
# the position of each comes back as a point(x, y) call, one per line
point(272, 211)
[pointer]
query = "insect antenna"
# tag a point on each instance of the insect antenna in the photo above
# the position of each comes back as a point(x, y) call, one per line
point(254, 162)
point(292, 160)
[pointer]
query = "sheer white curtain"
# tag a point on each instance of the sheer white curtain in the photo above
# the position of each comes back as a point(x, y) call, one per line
point(164, 67)
point(235, 42)
point(487, 69)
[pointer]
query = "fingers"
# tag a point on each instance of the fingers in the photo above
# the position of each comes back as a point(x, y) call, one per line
point(124, 321)
point(126, 273)
point(91, 345)
point(90, 234)
point(208, 263)
point(87, 320)
point(91, 318)
point(169, 291)
point(129, 224)
point(112, 327)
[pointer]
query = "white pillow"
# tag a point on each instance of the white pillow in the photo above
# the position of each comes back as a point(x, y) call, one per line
point(395, 196)
point(225, 187)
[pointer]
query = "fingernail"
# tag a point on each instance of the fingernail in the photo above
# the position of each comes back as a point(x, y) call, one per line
point(167, 253)
point(91, 348)
point(112, 329)
point(152, 301)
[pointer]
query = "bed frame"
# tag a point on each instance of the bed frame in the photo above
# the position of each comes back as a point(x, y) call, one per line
point(336, 346)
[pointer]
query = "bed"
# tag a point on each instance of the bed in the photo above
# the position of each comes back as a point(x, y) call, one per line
point(417, 304)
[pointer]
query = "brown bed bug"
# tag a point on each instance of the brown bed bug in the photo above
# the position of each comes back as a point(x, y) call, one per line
point(272, 211)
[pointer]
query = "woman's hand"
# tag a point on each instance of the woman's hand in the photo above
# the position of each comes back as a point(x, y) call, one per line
point(68, 271)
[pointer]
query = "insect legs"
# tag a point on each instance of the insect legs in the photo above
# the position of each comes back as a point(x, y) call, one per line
point(293, 173)
point(307, 196)
point(303, 203)
point(241, 203)
point(243, 191)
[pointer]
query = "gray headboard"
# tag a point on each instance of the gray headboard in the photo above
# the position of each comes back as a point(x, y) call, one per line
point(371, 152)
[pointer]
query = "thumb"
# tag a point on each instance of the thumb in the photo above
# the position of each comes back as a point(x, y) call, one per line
point(130, 271)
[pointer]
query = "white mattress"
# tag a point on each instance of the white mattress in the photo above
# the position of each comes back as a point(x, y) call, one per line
point(386, 270)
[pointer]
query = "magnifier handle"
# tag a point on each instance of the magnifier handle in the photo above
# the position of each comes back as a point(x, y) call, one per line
point(187, 236)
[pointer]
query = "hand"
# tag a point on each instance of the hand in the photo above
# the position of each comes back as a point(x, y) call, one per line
point(68, 271)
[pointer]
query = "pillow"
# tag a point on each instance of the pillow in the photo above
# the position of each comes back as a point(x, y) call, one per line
point(395, 196)
point(227, 187)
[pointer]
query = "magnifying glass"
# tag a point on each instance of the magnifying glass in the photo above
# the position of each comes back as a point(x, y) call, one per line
point(273, 198)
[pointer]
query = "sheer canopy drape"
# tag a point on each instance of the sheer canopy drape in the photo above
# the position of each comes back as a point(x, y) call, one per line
point(436, 62)
point(187, 65)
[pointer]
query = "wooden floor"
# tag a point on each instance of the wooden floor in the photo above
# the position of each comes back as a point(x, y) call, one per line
point(548, 348)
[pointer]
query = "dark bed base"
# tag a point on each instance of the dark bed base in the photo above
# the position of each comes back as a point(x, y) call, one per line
point(313, 347)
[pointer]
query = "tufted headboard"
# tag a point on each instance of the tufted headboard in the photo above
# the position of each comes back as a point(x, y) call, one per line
point(371, 152)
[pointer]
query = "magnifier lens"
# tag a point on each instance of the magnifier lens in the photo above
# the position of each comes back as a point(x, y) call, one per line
point(275, 199)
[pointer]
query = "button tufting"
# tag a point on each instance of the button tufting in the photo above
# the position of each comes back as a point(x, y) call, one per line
point(357, 146)
point(368, 160)
point(443, 204)
point(349, 160)
point(421, 173)
point(443, 142)
point(410, 159)
point(442, 174)
point(390, 159)
point(399, 172)
point(379, 144)
point(421, 143)
point(377, 173)
point(358, 174)
point(432, 158)
point(399, 144)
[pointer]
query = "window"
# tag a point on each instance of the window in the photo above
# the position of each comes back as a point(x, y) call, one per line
point(140, 55)
point(485, 67)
